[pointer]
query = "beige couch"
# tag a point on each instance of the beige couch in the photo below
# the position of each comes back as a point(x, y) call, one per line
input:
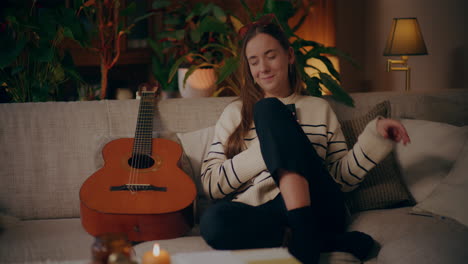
point(49, 149)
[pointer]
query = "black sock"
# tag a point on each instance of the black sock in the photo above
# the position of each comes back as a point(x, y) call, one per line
point(304, 236)
point(357, 243)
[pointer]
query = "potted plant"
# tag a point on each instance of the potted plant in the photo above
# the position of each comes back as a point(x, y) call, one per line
point(33, 65)
point(200, 42)
point(306, 49)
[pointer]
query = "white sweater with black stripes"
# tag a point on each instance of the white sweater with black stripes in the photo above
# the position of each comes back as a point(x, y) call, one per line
point(245, 178)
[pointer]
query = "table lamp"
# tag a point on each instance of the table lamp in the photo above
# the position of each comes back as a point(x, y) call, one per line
point(405, 39)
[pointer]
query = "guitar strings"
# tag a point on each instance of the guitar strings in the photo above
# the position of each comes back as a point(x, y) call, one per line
point(136, 149)
point(140, 156)
point(141, 144)
point(134, 157)
point(142, 136)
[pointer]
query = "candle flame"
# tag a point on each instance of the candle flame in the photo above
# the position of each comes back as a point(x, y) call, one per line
point(156, 250)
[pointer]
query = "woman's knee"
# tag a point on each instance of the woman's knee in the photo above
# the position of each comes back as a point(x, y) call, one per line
point(267, 106)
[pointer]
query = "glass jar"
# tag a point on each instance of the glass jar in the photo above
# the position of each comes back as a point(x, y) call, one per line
point(106, 244)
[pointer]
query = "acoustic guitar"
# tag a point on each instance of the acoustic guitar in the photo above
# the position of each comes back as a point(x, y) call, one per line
point(140, 191)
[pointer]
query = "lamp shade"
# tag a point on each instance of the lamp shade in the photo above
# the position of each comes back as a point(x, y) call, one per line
point(405, 38)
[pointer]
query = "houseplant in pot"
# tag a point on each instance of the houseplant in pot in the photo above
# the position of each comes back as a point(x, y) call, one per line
point(203, 39)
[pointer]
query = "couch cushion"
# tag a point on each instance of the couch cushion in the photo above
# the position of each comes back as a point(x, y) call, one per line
point(440, 245)
point(383, 186)
point(444, 105)
point(431, 154)
point(387, 225)
point(189, 114)
point(45, 154)
point(449, 198)
point(48, 241)
point(195, 144)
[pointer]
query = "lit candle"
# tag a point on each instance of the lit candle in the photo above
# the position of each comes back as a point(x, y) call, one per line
point(157, 256)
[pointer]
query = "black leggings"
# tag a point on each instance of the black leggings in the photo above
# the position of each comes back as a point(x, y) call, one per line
point(284, 145)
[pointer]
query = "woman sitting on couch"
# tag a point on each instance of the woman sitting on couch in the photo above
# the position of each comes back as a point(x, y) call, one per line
point(272, 167)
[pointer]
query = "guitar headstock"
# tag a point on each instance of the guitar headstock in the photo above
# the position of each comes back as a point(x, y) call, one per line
point(149, 87)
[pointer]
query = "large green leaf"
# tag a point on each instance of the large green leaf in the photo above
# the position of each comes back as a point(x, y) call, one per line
point(313, 85)
point(68, 33)
point(283, 10)
point(143, 17)
point(173, 21)
point(10, 51)
point(336, 52)
point(129, 10)
point(304, 16)
point(16, 70)
point(330, 67)
point(211, 24)
point(157, 48)
point(159, 72)
point(161, 4)
point(175, 67)
point(206, 9)
point(195, 35)
point(247, 8)
point(219, 13)
point(43, 54)
point(337, 92)
point(227, 69)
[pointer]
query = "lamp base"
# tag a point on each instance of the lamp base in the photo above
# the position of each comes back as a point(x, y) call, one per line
point(404, 67)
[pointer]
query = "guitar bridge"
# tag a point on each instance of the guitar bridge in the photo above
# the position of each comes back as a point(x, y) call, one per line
point(138, 187)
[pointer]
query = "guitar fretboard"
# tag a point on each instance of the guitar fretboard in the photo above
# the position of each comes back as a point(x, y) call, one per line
point(144, 128)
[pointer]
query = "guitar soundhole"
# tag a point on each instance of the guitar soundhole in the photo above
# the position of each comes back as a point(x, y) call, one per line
point(141, 161)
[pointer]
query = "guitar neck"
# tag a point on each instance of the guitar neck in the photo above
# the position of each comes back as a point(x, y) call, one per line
point(144, 127)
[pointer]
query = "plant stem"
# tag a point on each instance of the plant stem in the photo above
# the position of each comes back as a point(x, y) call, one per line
point(104, 72)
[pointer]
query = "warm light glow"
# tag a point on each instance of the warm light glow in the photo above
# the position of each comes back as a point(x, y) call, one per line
point(156, 256)
point(156, 250)
point(321, 67)
point(405, 38)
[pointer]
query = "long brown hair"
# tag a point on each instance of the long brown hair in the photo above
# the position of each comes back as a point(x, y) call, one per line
point(250, 92)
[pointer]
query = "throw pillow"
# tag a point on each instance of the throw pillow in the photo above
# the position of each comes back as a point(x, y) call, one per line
point(428, 159)
point(450, 196)
point(383, 186)
point(196, 144)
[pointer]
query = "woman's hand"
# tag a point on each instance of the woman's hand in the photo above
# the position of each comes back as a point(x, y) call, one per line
point(393, 130)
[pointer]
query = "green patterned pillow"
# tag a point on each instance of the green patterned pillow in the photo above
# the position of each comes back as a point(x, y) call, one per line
point(383, 187)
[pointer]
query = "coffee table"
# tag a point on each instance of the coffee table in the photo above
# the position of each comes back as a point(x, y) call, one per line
point(250, 256)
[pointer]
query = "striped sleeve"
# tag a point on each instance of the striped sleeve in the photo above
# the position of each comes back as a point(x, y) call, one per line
point(221, 176)
point(348, 168)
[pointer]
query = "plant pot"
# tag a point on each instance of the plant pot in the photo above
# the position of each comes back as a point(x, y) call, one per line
point(201, 83)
